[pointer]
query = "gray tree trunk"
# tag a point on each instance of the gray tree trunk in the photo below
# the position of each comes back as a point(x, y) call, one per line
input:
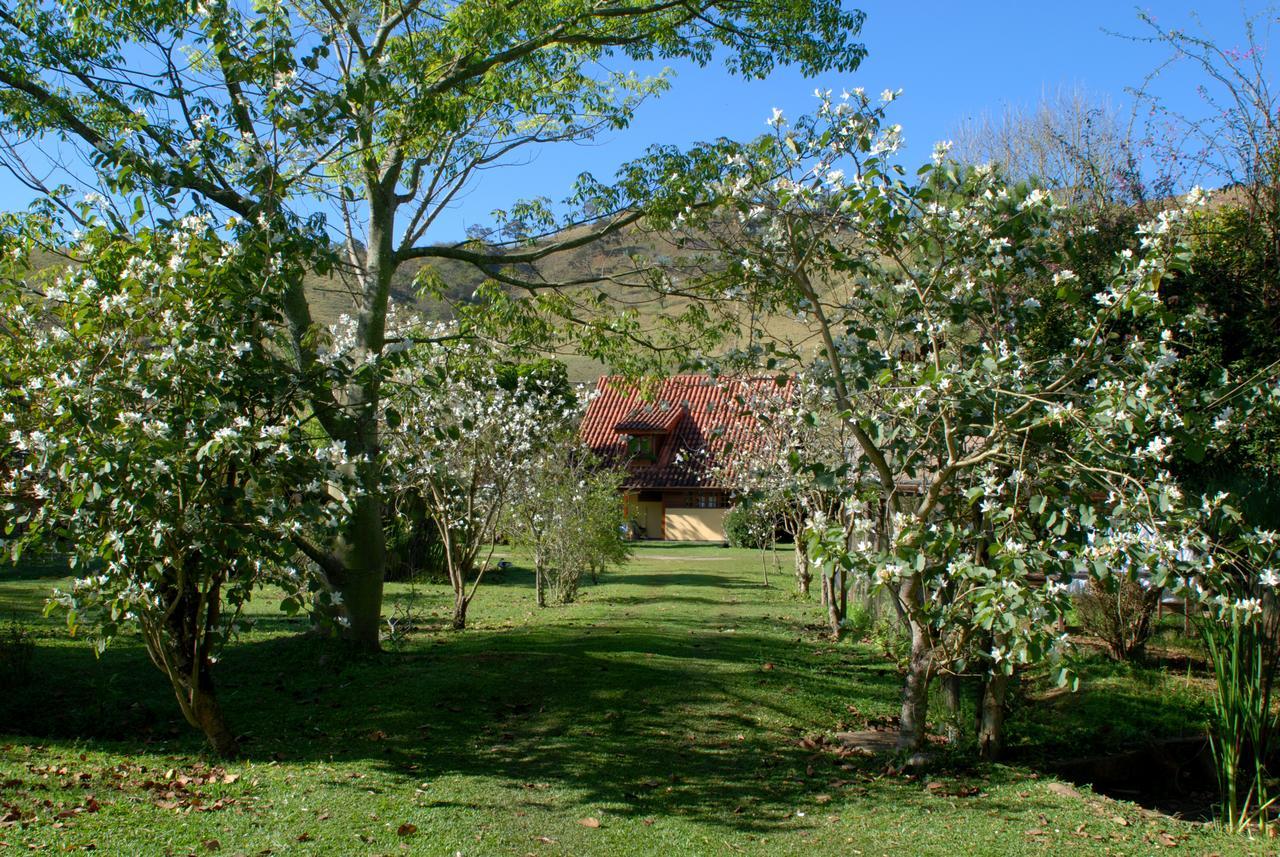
point(951, 699)
point(991, 717)
point(363, 554)
point(206, 715)
point(804, 574)
point(834, 604)
point(913, 721)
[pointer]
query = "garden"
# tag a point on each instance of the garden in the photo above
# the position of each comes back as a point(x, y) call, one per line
point(305, 548)
point(678, 707)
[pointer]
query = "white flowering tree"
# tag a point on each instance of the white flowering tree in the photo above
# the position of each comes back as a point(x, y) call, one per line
point(345, 131)
point(465, 439)
point(568, 511)
point(158, 439)
point(796, 467)
point(989, 469)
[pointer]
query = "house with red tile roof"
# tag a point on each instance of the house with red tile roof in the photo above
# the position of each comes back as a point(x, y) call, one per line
point(677, 441)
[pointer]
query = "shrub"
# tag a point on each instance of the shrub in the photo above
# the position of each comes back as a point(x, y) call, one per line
point(748, 526)
point(890, 636)
point(1119, 611)
point(414, 549)
point(859, 620)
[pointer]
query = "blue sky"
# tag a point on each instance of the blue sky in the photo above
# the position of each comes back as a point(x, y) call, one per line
point(953, 60)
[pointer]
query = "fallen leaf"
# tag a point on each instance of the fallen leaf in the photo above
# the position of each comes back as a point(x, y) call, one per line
point(589, 822)
point(304, 837)
point(767, 667)
point(1063, 790)
point(406, 829)
point(211, 845)
point(1121, 820)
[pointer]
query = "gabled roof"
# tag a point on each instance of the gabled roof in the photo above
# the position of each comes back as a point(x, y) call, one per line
point(652, 418)
point(699, 421)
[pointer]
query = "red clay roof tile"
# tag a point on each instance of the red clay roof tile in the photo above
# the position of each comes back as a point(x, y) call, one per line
point(701, 420)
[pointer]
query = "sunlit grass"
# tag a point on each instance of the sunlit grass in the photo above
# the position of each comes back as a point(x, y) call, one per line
point(667, 706)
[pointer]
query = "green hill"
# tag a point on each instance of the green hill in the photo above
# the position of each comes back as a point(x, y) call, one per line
point(605, 264)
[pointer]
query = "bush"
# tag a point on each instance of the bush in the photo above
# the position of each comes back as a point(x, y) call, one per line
point(1119, 611)
point(859, 620)
point(414, 549)
point(891, 637)
point(748, 526)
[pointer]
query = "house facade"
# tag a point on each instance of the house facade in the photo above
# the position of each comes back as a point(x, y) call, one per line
point(677, 443)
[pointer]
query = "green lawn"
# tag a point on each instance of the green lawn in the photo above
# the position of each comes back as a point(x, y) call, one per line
point(662, 714)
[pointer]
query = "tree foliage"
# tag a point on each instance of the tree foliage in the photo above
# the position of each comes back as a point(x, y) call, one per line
point(988, 471)
point(568, 511)
point(342, 132)
point(160, 440)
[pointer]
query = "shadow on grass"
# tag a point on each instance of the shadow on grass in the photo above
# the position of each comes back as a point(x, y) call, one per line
point(659, 546)
point(682, 578)
point(646, 721)
point(1132, 732)
point(38, 568)
point(653, 715)
point(632, 600)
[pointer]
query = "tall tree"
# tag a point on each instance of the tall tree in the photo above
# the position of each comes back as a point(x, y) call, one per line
point(354, 126)
point(984, 473)
point(158, 440)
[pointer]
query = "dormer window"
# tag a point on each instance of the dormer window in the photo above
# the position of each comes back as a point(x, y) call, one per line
point(643, 448)
point(648, 429)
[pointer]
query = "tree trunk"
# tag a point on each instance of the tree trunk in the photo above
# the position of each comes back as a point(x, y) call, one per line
point(991, 717)
point(951, 699)
point(179, 646)
point(172, 652)
point(835, 604)
point(540, 584)
point(460, 604)
point(363, 548)
point(804, 576)
point(363, 554)
point(825, 594)
point(844, 597)
point(915, 691)
point(206, 715)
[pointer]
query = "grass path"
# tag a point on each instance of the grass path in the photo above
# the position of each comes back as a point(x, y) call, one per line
point(665, 713)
